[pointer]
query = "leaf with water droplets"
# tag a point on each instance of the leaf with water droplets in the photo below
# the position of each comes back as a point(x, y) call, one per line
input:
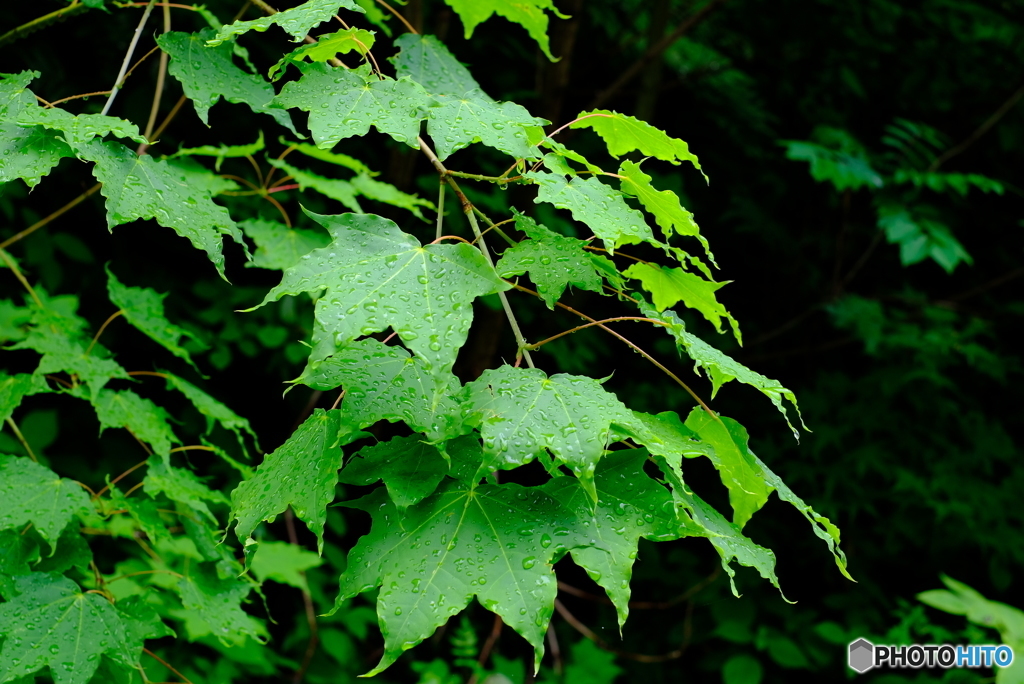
point(278, 246)
point(720, 367)
point(327, 47)
point(14, 388)
point(29, 153)
point(297, 21)
point(144, 309)
point(207, 73)
point(301, 473)
point(213, 410)
point(427, 61)
point(530, 14)
point(216, 600)
point(596, 204)
point(553, 261)
point(387, 383)
point(410, 468)
point(702, 519)
point(140, 187)
point(496, 543)
point(342, 104)
point(729, 440)
point(521, 411)
point(377, 276)
point(630, 505)
point(335, 188)
point(183, 486)
point(624, 134)
point(664, 205)
point(669, 286)
point(144, 419)
point(32, 493)
point(472, 117)
point(51, 622)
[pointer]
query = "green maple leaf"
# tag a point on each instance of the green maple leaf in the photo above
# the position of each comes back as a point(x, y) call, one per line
point(327, 47)
point(342, 104)
point(51, 622)
point(207, 73)
point(331, 157)
point(33, 493)
point(301, 473)
point(600, 206)
point(277, 246)
point(521, 412)
point(553, 261)
point(672, 285)
point(388, 383)
point(630, 505)
point(142, 188)
point(624, 134)
point(15, 97)
point(70, 550)
point(427, 61)
point(216, 601)
point(144, 419)
point(376, 277)
point(664, 205)
point(297, 21)
point(473, 117)
point(389, 194)
point(213, 410)
point(335, 188)
point(284, 563)
point(29, 153)
point(730, 441)
point(14, 388)
point(700, 518)
point(199, 177)
point(720, 367)
point(493, 542)
point(144, 309)
point(409, 467)
point(530, 14)
point(143, 511)
point(78, 129)
point(221, 152)
point(182, 485)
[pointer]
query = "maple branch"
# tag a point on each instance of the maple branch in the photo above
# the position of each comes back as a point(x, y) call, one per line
point(161, 76)
point(537, 345)
point(635, 348)
point(655, 51)
point(163, 662)
point(400, 17)
point(119, 478)
point(21, 277)
point(145, 572)
point(51, 105)
point(307, 600)
point(467, 208)
point(21, 438)
point(440, 206)
point(639, 657)
point(159, 375)
point(127, 58)
point(103, 327)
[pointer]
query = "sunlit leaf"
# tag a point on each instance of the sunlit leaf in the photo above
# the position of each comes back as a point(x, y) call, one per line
point(297, 21)
point(327, 47)
point(427, 61)
point(530, 14)
point(472, 117)
point(623, 134)
point(668, 286)
point(283, 562)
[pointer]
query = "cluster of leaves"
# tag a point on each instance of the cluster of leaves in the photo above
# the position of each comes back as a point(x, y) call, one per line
point(488, 483)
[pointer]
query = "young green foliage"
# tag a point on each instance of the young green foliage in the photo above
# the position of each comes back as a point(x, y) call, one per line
point(34, 494)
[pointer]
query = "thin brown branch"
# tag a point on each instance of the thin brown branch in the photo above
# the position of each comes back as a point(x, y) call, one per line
point(638, 657)
point(118, 479)
point(307, 600)
point(635, 348)
point(980, 131)
point(21, 438)
point(21, 277)
point(538, 345)
point(391, 9)
point(121, 75)
point(153, 373)
point(51, 105)
point(103, 327)
point(163, 662)
point(654, 52)
point(995, 282)
point(161, 76)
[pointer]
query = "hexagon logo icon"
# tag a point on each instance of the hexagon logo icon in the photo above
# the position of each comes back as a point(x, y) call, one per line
point(862, 654)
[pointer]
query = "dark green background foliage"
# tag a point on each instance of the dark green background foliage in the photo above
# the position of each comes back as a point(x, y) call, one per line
point(865, 201)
